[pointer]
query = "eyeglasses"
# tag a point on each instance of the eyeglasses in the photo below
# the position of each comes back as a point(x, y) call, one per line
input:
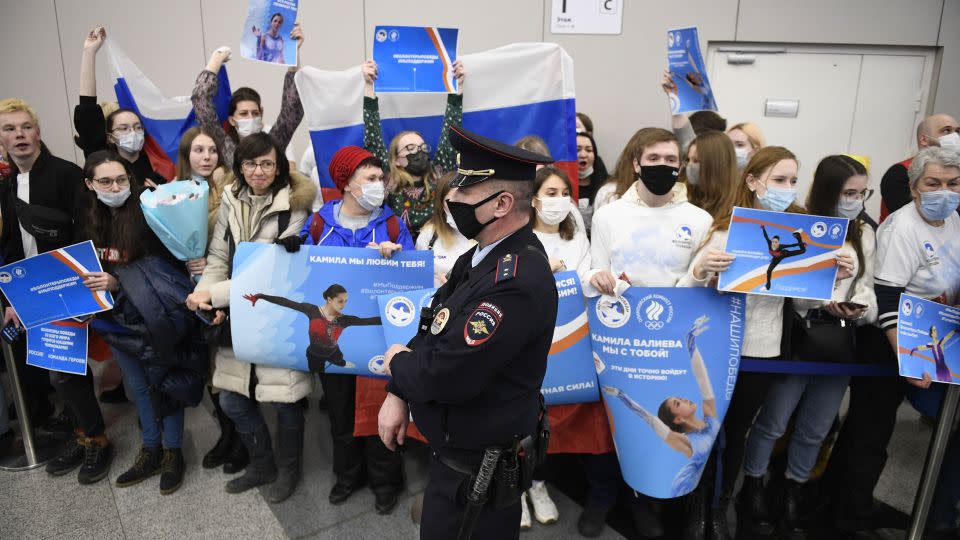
point(122, 180)
point(125, 130)
point(266, 165)
point(414, 148)
point(857, 195)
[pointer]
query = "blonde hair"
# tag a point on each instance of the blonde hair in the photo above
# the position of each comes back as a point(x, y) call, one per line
point(400, 178)
point(445, 233)
point(753, 133)
point(109, 107)
point(12, 105)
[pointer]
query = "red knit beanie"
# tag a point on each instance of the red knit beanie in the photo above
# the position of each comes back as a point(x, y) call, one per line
point(344, 163)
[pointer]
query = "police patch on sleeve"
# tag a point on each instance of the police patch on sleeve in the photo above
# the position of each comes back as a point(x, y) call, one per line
point(482, 323)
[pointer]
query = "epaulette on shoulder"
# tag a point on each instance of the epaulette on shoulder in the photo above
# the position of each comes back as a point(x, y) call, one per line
point(507, 267)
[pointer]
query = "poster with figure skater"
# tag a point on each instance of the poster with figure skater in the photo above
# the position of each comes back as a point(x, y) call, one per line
point(316, 310)
point(266, 32)
point(692, 90)
point(667, 362)
point(783, 254)
point(927, 336)
point(415, 59)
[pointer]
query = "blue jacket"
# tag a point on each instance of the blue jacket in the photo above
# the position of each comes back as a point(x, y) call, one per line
point(335, 235)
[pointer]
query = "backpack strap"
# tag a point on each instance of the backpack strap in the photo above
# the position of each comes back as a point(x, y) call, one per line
point(393, 228)
point(316, 227)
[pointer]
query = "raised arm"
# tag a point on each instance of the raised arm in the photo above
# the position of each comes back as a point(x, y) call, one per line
point(202, 98)
point(699, 368)
point(372, 129)
point(88, 117)
point(310, 310)
point(446, 157)
point(673, 439)
point(765, 237)
point(291, 108)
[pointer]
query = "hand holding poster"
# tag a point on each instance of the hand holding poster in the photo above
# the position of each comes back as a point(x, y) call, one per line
point(692, 92)
point(667, 362)
point(927, 336)
point(266, 32)
point(317, 309)
point(783, 254)
point(415, 59)
point(49, 287)
point(58, 346)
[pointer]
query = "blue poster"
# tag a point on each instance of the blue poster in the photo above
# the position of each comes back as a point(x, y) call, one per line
point(266, 32)
point(571, 375)
point(415, 59)
point(49, 287)
point(667, 361)
point(58, 346)
point(400, 313)
point(927, 336)
point(783, 254)
point(689, 72)
point(317, 308)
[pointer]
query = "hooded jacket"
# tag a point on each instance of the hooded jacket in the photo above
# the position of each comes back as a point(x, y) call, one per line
point(336, 235)
point(273, 384)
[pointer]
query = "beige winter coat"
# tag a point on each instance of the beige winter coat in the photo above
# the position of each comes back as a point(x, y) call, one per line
point(273, 384)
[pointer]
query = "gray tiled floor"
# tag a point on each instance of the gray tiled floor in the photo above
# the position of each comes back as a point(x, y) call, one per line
point(34, 505)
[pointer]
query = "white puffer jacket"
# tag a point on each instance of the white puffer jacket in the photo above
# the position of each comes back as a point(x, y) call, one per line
point(273, 384)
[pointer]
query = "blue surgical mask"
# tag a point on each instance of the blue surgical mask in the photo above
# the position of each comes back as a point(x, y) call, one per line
point(849, 208)
point(777, 199)
point(938, 205)
point(743, 156)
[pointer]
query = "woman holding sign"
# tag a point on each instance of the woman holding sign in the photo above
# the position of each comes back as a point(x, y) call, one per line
point(264, 204)
point(410, 174)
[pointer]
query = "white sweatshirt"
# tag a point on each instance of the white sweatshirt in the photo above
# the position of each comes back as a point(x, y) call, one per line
point(444, 256)
point(652, 247)
point(575, 253)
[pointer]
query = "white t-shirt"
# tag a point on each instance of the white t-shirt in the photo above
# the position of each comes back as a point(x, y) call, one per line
point(923, 259)
point(575, 253)
point(23, 193)
point(653, 247)
point(444, 256)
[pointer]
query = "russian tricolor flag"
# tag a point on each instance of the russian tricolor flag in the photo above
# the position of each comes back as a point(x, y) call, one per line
point(510, 92)
point(165, 119)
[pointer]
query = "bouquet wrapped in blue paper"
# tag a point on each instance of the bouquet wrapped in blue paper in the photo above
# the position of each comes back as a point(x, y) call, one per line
point(177, 213)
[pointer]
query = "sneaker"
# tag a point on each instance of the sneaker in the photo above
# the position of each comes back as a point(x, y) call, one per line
point(592, 522)
point(385, 502)
point(69, 459)
point(525, 523)
point(544, 508)
point(96, 461)
point(146, 465)
point(172, 467)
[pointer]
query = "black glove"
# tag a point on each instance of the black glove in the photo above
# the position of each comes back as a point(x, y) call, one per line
point(289, 243)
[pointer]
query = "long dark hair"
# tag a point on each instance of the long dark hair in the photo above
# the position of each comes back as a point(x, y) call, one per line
point(254, 146)
point(244, 93)
point(333, 291)
point(568, 226)
point(828, 180)
point(124, 230)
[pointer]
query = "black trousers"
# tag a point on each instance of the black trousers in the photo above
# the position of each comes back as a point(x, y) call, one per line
point(748, 397)
point(357, 458)
point(443, 509)
point(34, 383)
point(860, 452)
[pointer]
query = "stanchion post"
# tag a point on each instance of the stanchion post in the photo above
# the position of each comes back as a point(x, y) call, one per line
point(931, 469)
point(23, 416)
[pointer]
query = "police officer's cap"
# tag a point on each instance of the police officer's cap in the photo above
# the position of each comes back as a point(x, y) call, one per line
point(481, 159)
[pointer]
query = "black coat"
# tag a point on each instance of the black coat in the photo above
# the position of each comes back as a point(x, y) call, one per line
point(54, 183)
point(91, 128)
point(473, 380)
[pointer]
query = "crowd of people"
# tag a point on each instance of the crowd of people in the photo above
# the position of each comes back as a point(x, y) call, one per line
point(614, 228)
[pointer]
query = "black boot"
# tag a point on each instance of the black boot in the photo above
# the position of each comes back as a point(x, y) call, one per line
point(695, 514)
point(792, 525)
point(217, 455)
point(289, 455)
point(718, 528)
point(237, 458)
point(753, 518)
point(146, 465)
point(646, 516)
point(173, 468)
point(262, 470)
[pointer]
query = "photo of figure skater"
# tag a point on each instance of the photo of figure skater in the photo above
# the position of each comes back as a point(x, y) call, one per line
point(779, 252)
point(327, 323)
point(270, 42)
point(936, 347)
point(676, 421)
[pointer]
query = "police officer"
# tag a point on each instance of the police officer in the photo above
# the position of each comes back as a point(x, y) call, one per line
point(473, 373)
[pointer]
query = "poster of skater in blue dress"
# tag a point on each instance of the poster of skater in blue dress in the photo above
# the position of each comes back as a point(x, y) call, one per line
point(667, 362)
point(692, 90)
point(266, 32)
point(927, 340)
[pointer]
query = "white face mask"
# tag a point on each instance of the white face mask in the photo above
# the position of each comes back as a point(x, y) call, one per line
point(371, 196)
point(249, 126)
point(131, 143)
point(743, 156)
point(451, 222)
point(951, 141)
point(849, 208)
point(553, 210)
point(114, 199)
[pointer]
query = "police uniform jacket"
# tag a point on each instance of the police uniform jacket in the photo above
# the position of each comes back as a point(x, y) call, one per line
point(473, 379)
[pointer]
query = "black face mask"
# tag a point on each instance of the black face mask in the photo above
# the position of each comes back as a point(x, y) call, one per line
point(418, 164)
point(659, 179)
point(465, 216)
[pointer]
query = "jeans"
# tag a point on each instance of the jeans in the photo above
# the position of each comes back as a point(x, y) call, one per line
point(816, 399)
point(245, 412)
point(748, 397)
point(169, 428)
